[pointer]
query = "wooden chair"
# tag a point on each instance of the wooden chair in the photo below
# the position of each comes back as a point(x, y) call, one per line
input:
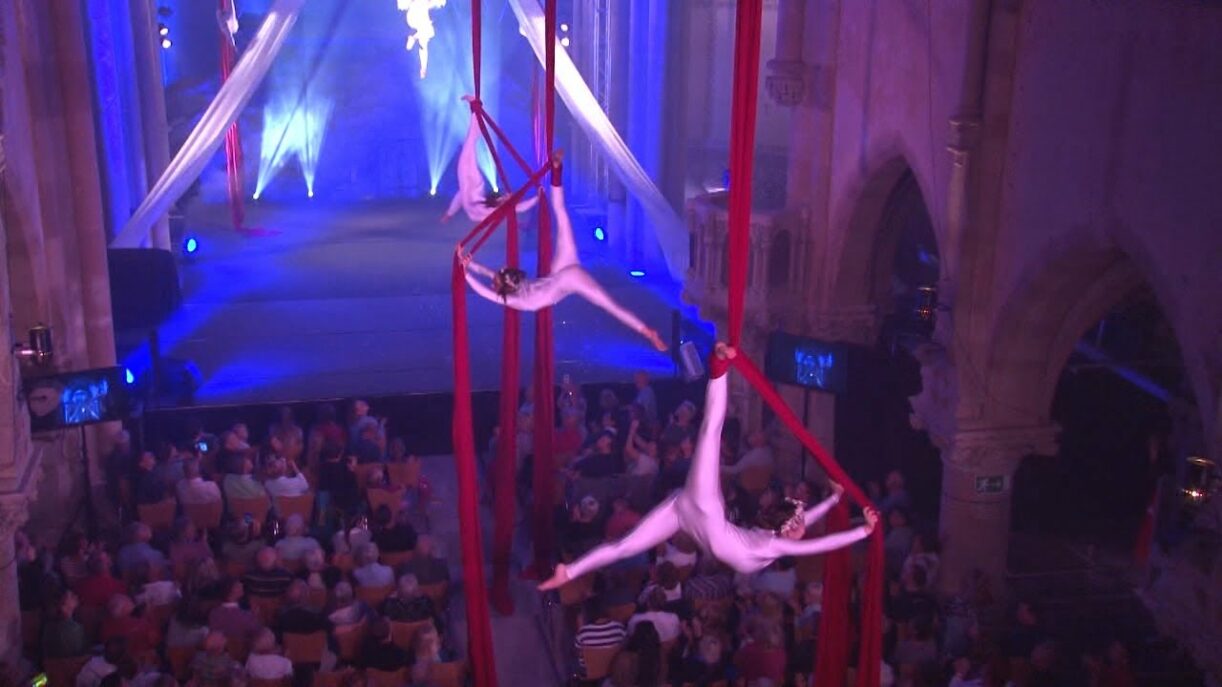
point(406, 474)
point(180, 658)
point(364, 470)
point(344, 562)
point(308, 648)
point(622, 612)
point(374, 596)
point(158, 516)
point(255, 682)
point(266, 608)
point(256, 507)
point(403, 633)
point(331, 678)
point(385, 497)
point(382, 678)
point(238, 649)
point(206, 516)
point(450, 674)
point(439, 592)
point(61, 672)
point(296, 505)
point(349, 638)
point(395, 558)
point(235, 568)
point(755, 480)
point(598, 660)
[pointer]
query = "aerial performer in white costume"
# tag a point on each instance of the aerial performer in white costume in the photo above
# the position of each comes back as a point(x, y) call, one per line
point(512, 288)
point(421, 24)
point(229, 22)
point(472, 197)
point(699, 510)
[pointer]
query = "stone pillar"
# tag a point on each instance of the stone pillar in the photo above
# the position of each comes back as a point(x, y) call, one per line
point(13, 515)
point(977, 475)
point(152, 108)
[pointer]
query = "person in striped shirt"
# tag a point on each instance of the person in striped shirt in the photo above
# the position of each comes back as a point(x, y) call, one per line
point(598, 630)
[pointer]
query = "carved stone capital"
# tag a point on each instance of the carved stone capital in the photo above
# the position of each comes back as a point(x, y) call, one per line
point(853, 325)
point(999, 450)
point(786, 82)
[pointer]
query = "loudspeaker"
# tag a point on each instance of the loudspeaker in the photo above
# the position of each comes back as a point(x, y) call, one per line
point(144, 288)
point(689, 361)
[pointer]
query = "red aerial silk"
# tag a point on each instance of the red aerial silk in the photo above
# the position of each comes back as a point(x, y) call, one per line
point(504, 486)
point(233, 139)
point(832, 651)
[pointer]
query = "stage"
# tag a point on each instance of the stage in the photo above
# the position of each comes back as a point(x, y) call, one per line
point(327, 300)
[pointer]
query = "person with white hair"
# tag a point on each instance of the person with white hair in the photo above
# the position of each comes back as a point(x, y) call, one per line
point(285, 479)
point(296, 542)
point(371, 573)
point(348, 611)
point(265, 661)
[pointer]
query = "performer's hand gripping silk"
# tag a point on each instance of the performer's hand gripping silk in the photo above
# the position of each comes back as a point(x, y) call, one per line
point(472, 197)
point(512, 288)
point(698, 510)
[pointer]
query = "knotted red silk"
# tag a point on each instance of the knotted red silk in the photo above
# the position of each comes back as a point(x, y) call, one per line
point(832, 651)
point(233, 138)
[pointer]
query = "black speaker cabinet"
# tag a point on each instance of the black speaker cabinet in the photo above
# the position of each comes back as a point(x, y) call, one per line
point(144, 287)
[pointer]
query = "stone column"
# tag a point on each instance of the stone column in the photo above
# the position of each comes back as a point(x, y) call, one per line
point(152, 108)
point(977, 475)
point(13, 515)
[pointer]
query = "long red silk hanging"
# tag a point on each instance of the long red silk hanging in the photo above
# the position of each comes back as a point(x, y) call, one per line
point(832, 650)
point(233, 139)
point(504, 487)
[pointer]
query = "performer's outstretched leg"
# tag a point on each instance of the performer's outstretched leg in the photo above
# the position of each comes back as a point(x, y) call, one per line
point(582, 284)
point(657, 526)
point(566, 248)
point(704, 478)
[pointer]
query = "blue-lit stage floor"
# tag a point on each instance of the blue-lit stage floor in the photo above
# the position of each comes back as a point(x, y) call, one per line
point(329, 301)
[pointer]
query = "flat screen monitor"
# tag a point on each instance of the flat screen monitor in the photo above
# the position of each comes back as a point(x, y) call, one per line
point(806, 362)
point(77, 398)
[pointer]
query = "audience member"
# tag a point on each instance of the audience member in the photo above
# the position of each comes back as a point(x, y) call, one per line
point(296, 616)
point(141, 635)
point(265, 661)
point(138, 550)
point(598, 630)
point(665, 623)
point(96, 588)
point(425, 565)
point(380, 651)
point(371, 573)
point(242, 484)
point(212, 666)
point(393, 534)
point(230, 619)
point(114, 653)
point(293, 548)
point(267, 580)
point(284, 479)
point(62, 636)
point(194, 490)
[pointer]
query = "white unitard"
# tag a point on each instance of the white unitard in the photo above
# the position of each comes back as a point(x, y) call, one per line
point(471, 192)
point(421, 24)
point(567, 277)
point(698, 509)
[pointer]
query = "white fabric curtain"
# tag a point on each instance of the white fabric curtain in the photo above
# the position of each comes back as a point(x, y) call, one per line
point(209, 133)
point(671, 233)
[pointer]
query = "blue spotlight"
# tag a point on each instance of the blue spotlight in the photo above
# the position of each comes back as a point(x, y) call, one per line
point(128, 376)
point(599, 234)
point(190, 245)
point(636, 273)
point(433, 191)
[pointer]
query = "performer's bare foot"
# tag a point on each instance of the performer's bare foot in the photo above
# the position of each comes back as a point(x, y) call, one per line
point(557, 580)
point(656, 340)
point(725, 351)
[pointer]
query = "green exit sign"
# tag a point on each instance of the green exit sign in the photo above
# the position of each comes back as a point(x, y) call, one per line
point(990, 484)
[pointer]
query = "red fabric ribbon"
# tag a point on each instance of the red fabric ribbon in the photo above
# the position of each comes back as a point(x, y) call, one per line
point(505, 493)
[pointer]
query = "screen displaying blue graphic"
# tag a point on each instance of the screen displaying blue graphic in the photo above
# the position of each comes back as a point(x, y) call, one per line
point(807, 362)
point(77, 398)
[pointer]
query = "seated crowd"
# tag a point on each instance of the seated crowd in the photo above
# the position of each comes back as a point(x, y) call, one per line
point(297, 561)
point(677, 616)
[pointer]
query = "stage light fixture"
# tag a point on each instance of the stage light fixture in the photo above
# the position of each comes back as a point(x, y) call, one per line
point(166, 44)
point(636, 273)
point(599, 234)
point(129, 376)
point(255, 196)
point(564, 28)
point(190, 245)
point(564, 42)
point(432, 191)
point(163, 30)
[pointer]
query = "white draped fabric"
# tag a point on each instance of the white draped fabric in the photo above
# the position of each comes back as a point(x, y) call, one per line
point(671, 233)
point(209, 133)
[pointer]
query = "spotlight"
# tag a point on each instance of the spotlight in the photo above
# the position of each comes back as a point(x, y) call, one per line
point(190, 245)
point(163, 30)
point(41, 348)
point(927, 303)
point(432, 191)
point(128, 376)
point(564, 42)
point(166, 44)
point(564, 28)
point(310, 193)
point(255, 196)
point(599, 234)
point(636, 273)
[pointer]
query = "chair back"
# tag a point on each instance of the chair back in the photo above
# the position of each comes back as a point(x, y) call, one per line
point(395, 558)
point(206, 516)
point(622, 612)
point(364, 470)
point(344, 562)
point(403, 634)
point(158, 516)
point(331, 678)
point(61, 672)
point(305, 648)
point(439, 592)
point(296, 505)
point(256, 682)
point(449, 674)
point(385, 497)
point(405, 474)
point(256, 507)
point(598, 660)
point(238, 649)
point(383, 678)
point(265, 608)
point(235, 568)
point(348, 639)
point(180, 658)
point(755, 479)
point(374, 596)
